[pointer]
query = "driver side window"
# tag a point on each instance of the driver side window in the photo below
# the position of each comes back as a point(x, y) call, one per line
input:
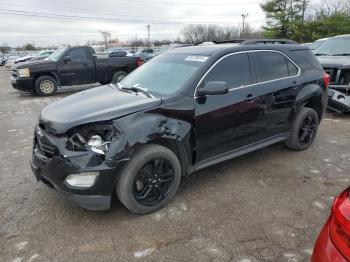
point(78, 55)
point(234, 70)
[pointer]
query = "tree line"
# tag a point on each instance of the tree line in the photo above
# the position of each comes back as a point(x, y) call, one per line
point(303, 21)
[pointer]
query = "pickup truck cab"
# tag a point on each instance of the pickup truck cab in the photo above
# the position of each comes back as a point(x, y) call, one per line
point(184, 110)
point(70, 66)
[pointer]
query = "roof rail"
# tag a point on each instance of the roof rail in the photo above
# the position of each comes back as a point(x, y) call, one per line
point(234, 41)
point(268, 41)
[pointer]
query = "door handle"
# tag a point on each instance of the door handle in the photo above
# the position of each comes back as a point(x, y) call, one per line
point(249, 98)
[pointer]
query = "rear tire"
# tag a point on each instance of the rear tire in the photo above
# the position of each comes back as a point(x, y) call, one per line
point(304, 130)
point(46, 86)
point(149, 180)
point(118, 76)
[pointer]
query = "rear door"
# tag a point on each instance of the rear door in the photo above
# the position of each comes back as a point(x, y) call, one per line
point(79, 70)
point(276, 87)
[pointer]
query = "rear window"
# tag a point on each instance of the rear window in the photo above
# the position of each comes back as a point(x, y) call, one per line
point(270, 66)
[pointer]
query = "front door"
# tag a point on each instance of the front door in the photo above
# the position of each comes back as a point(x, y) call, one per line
point(228, 121)
point(79, 70)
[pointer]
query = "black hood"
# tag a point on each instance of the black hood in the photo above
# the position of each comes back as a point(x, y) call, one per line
point(339, 62)
point(96, 104)
point(37, 65)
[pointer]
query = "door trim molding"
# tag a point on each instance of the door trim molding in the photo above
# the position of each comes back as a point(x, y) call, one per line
point(239, 151)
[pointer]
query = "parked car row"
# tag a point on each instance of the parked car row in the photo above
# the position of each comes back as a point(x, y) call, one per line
point(70, 66)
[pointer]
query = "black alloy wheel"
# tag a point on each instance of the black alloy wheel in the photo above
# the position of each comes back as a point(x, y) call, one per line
point(307, 130)
point(149, 180)
point(153, 182)
point(304, 129)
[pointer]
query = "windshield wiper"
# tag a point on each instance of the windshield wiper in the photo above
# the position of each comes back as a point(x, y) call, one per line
point(320, 54)
point(135, 89)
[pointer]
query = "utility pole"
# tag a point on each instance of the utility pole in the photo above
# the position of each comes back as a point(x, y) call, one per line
point(149, 35)
point(302, 22)
point(244, 16)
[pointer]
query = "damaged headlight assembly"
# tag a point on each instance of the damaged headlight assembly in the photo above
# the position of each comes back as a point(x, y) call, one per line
point(95, 138)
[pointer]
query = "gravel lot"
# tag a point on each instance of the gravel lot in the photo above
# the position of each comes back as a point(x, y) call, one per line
point(266, 206)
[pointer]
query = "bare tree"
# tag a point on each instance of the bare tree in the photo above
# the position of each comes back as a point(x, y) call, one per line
point(202, 33)
point(106, 36)
point(335, 6)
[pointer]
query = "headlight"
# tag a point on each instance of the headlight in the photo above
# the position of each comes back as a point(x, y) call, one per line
point(97, 145)
point(23, 72)
point(84, 180)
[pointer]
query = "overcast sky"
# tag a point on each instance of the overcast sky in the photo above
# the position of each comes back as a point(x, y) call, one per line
point(125, 19)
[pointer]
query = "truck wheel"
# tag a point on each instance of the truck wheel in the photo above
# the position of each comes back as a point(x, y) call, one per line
point(149, 180)
point(45, 86)
point(304, 130)
point(118, 76)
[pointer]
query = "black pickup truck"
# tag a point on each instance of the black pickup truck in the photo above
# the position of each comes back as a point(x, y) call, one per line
point(70, 66)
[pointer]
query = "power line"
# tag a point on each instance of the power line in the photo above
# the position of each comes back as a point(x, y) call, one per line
point(89, 18)
point(74, 10)
point(228, 3)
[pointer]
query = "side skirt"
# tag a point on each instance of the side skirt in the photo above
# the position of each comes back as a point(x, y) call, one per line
point(239, 151)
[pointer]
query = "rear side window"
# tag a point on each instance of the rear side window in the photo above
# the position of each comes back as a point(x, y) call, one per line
point(78, 55)
point(306, 60)
point(270, 66)
point(292, 69)
point(234, 70)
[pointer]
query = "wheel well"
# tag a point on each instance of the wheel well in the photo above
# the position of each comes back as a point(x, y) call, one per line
point(45, 74)
point(317, 106)
point(179, 149)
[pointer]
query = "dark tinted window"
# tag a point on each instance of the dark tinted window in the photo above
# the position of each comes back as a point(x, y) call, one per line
point(78, 55)
point(270, 66)
point(306, 60)
point(292, 69)
point(117, 54)
point(234, 70)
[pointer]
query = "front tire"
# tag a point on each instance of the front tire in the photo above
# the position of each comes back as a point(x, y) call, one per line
point(149, 180)
point(118, 76)
point(46, 86)
point(304, 130)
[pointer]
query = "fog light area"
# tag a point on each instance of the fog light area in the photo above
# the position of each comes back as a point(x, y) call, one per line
point(84, 180)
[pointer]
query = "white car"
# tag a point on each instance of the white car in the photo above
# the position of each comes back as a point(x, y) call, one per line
point(10, 62)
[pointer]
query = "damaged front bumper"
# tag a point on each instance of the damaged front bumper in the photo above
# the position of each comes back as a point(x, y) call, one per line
point(338, 101)
point(52, 163)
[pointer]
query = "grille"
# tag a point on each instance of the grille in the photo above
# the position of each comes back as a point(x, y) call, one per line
point(14, 73)
point(45, 147)
point(332, 74)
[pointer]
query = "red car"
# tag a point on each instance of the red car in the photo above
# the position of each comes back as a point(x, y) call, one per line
point(333, 243)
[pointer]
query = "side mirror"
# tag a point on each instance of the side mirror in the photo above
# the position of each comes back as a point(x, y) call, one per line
point(67, 59)
point(213, 88)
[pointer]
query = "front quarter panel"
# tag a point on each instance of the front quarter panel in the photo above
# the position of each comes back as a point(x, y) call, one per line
point(141, 128)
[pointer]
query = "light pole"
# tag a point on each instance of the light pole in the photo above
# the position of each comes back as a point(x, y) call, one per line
point(149, 35)
point(244, 16)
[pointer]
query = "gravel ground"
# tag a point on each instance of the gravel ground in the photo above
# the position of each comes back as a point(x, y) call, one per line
point(266, 206)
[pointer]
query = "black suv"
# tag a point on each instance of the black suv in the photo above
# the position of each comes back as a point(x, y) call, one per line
point(182, 111)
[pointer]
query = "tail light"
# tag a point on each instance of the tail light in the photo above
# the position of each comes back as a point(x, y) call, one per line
point(340, 223)
point(138, 62)
point(326, 79)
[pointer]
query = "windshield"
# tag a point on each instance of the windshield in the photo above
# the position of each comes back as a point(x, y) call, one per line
point(335, 46)
point(166, 74)
point(315, 45)
point(56, 55)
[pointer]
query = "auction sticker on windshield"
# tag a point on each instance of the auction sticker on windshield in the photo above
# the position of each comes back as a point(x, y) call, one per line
point(196, 58)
